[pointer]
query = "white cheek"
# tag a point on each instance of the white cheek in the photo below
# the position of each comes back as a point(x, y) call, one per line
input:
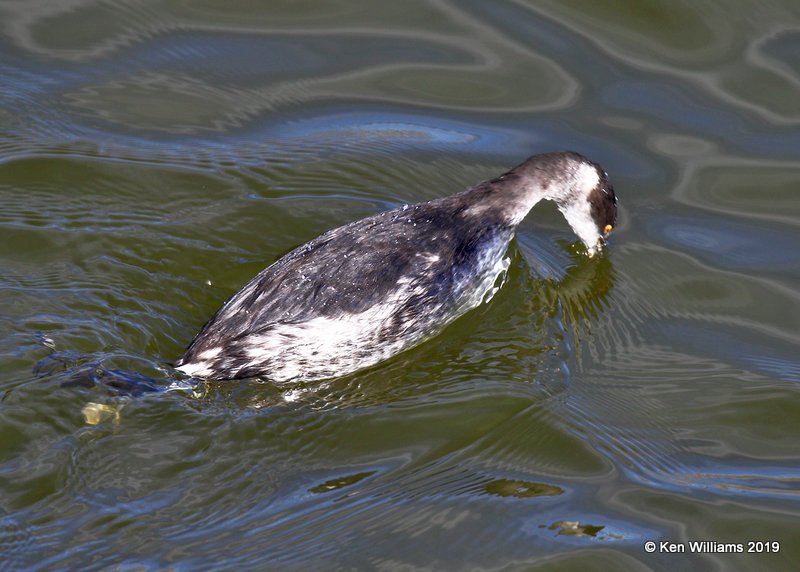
point(578, 213)
point(579, 217)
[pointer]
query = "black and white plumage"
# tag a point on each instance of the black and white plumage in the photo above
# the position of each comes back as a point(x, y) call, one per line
point(368, 290)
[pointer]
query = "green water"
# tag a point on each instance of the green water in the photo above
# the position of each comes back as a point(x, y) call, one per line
point(154, 156)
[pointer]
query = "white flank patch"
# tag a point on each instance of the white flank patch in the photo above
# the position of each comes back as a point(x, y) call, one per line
point(209, 354)
point(195, 369)
point(327, 343)
point(501, 269)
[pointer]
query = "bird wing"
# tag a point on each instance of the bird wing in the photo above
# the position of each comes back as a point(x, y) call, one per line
point(345, 271)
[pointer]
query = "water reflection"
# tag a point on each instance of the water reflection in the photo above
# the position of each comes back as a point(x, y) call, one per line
point(520, 489)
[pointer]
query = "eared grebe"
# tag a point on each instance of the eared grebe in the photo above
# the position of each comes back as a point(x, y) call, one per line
point(368, 290)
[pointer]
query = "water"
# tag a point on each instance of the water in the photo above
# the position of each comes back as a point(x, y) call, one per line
point(153, 157)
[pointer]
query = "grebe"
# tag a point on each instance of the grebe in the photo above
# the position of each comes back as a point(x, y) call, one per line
point(368, 290)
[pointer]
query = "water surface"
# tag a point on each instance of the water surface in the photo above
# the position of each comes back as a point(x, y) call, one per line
point(155, 156)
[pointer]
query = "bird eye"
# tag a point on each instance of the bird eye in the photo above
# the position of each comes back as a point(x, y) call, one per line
point(608, 228)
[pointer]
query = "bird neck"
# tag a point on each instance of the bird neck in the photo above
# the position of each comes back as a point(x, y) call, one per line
point(519, 193)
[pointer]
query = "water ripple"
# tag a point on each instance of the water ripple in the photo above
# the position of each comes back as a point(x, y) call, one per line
point(154, 157)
